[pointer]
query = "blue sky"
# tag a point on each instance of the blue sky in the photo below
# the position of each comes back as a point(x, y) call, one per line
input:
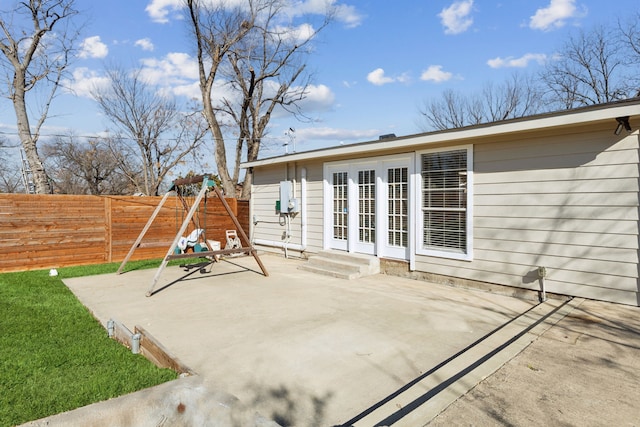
point(373, 67)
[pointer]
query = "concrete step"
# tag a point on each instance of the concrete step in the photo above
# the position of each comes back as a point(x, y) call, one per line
point(342, 264)
point(327, 271)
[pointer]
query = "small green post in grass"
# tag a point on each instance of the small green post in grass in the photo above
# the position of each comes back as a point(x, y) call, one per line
point(54, 356)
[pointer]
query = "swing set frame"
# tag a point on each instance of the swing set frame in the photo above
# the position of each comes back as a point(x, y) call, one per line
point(207, 185)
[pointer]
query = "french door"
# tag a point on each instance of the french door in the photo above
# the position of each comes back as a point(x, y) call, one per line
point(367, 206)
point(395, 176)
point(352, 202)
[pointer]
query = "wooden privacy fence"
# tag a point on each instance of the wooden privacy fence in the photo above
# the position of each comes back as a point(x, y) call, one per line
point(49, 231)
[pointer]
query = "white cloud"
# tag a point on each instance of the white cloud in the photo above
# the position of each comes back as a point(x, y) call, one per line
point(84, 81)
point(301, 33)
point(92, 47)
point(318, 98)
point(554, 15)
point(435, 74)
point(174, 66)
point(159, 10)
point(145, 44)
point(521, 62)
point(455, 18)
point(348, 15)
point(344, 13)
point(176, 73)
point(186, 89)
point(378, 78)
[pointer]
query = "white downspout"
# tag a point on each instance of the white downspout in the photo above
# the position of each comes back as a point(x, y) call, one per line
point(303, 209)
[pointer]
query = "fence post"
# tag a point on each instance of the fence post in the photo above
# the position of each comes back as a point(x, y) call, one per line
point(108, 227)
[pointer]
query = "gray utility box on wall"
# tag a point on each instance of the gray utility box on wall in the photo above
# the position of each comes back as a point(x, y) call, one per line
point(288, 203)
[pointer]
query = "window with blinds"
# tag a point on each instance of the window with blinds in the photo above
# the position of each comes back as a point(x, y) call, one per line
point(444, 200)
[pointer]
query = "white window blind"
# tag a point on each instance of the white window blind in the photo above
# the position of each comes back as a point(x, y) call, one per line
point(444, 200)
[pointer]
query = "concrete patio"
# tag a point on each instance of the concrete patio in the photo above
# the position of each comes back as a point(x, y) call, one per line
point(296, 348)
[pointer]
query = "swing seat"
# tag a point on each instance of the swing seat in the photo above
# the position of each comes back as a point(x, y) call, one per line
point(191, 240)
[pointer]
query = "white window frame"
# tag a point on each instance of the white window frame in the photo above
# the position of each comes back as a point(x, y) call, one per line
point(442, 253)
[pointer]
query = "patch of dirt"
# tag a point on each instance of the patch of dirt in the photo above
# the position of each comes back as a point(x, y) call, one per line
point(584, 371)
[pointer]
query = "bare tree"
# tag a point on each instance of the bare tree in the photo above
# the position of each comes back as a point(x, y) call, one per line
point(84, 167)
point(518, 96)
point(10, 172)
point(268, 71)
point(162, 135)
point(630, 35)
point(446, 113)
point(36, 41)
point(216, 30)
point(590, 69)
point(261, 60)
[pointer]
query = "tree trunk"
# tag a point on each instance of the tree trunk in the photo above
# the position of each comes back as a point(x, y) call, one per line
point(40, 179)
point(246, 186)
point(220, 153)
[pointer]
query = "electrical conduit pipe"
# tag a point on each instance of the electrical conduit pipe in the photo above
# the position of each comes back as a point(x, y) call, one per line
point(303, 221)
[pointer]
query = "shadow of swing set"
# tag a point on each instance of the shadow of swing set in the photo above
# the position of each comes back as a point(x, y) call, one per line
point(180, 245)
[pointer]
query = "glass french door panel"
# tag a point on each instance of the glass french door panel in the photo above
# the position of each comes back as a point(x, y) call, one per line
point(398, 200)
point(340, 205)
point(366, 206)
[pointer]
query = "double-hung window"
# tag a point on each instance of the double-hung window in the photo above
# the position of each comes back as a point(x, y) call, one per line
point(445, 203)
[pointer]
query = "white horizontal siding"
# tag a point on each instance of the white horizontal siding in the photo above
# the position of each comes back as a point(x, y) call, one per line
point(560, 250)
point(568, 213)
point(588, 225)
point(315, 215)
point(604, 240)
point(266, 191)
point(557, 186)
point(568, 203)
point(577, 174)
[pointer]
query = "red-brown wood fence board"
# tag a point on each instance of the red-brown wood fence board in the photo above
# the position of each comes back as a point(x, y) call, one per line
point(50, 231)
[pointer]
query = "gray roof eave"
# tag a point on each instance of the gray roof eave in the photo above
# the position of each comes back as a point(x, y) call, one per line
point(573, 117)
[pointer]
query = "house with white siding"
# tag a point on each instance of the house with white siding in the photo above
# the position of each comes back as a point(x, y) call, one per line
point(551, 199)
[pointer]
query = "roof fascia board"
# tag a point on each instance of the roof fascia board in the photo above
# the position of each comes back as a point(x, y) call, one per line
point(452, 136)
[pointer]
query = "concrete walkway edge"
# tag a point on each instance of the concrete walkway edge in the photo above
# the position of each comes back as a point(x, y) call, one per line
point(440, 387)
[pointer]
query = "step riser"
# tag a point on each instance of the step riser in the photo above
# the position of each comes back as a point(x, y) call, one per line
point(343, 265)
point(340, 275)
point(346, 257)
point(323, 263)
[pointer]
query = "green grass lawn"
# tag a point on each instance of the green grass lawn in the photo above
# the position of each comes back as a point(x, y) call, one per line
point(54, 356)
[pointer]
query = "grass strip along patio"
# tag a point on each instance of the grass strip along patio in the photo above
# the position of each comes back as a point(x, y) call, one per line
point(54, 355)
